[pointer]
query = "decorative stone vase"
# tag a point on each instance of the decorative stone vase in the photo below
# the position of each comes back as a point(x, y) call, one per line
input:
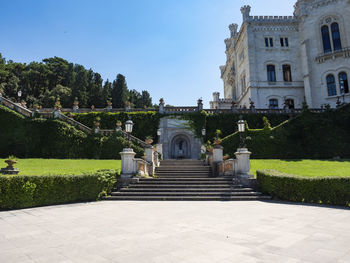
point(217, 141)
point(10, 164)
point(149, 141)
point(97, 124)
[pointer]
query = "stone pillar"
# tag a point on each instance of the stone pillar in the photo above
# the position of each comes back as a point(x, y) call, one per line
point(218, 157)
point(218, 154)
point(159, 148)
point(57, 113)
point(161, 106)
point(200, 105)
point(127, 172)
point(243, 166)
point(149, 153)
point(149, 150)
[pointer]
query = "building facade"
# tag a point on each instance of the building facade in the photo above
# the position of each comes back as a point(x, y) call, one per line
point(281, 62)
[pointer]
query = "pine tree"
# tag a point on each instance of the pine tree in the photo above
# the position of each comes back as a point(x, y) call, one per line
point(119, 92)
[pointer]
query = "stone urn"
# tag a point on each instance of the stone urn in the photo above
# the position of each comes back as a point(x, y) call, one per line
point(149, 141)
point(10, 164)
point(217, 141)
point(10, 169)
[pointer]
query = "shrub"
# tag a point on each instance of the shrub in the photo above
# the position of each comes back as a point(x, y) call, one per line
point(52, 138)
point(29, 191)
point(327, 190)
point(309, 135)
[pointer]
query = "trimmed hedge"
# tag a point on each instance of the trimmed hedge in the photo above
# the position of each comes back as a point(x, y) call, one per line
point(145, 123)
point(52, 138)
point(22, 191)
point(307, 136)
point(327, 190)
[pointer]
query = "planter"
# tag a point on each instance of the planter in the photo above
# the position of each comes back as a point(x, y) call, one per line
point(10, 164)
point(149, 141)
point(217, 141)
point(225, 158)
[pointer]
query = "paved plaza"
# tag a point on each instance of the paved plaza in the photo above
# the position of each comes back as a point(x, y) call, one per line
point(176, 232)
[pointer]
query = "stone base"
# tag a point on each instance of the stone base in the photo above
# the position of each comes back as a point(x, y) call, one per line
point(247, 180)
point(7, 171)
point(126, 179)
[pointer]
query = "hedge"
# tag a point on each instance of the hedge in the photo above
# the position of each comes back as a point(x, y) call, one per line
point(327, 190)
point(52, 138)
point(147, 123)
point(22, 191)
point(309, 135)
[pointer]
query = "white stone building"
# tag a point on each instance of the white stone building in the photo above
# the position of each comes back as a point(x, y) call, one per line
point(281, 61)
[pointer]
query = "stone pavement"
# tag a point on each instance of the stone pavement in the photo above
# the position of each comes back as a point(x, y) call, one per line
point(176, 232)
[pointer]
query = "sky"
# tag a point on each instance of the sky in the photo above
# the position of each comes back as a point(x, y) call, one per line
point(171, 48)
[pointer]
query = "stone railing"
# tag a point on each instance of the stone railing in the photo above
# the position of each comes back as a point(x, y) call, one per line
point(344, 52)
point(16, 107)
point(142, 167)
point(180, 109)
point(75, 123)
point(227, 167)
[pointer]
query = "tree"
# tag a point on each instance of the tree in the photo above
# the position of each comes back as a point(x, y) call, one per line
point(106, 92)
point(119, 92)
point(146, 99)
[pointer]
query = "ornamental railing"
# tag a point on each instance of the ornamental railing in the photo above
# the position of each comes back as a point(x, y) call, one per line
point(344, 52)
point(16, 107)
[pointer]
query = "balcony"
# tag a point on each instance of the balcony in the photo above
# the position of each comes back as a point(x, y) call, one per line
point(344, 53)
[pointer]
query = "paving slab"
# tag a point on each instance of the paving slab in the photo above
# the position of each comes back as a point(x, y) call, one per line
point(255, 231)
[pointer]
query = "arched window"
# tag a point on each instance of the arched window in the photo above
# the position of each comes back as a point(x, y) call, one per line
point(332, 88)
point(287, 73)
point(343, 82)
point(289, 104)
point(271, 73)
point(326, 39)
point(273, 104)
point(336, 37)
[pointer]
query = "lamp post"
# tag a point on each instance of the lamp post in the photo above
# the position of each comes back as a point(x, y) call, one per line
point(204, 132)
point(241, 130)
point(159, 133)
point(128, 128)
point(19, 94)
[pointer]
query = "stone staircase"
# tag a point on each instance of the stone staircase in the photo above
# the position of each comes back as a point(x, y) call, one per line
point(185, 180)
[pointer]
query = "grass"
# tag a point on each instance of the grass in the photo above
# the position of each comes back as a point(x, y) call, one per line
point(308, 168)
point(60, 167)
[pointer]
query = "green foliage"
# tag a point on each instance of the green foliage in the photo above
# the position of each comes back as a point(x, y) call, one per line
point(52, 138)
point(119, 92)
point(326, 190)
point(307, 136)
point(41, 83)
point(30, 191)
point(145, 123)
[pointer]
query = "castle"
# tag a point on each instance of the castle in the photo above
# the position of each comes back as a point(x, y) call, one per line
point(279, 62)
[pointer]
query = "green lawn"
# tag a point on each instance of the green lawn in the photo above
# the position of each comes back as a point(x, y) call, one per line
point(59, 167)
point(309, 168)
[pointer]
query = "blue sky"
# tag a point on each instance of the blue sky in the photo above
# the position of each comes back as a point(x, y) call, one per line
point(172, 48)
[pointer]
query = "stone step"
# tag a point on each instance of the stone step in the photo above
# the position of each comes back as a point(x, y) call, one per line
point(188, 182)
point(186, 179)
point(183, 190)
point(141, 185)
point(185, 194)
point(174, 169)
point(187, 198)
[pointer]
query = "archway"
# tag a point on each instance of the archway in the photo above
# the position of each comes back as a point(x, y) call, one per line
point(180, 147)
